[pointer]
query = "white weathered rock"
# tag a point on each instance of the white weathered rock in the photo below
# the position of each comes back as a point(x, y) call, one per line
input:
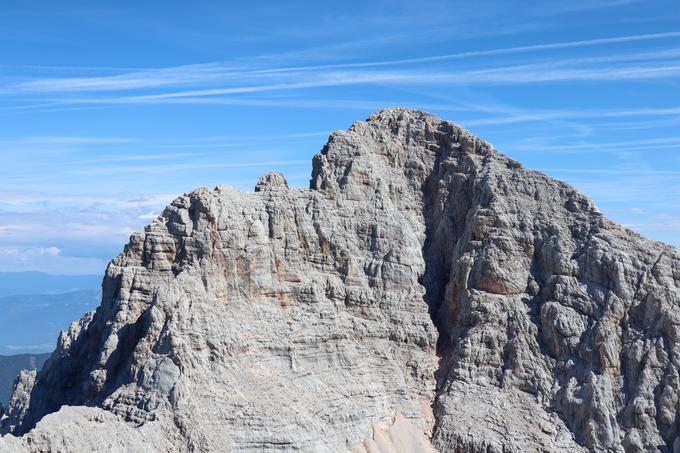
point(291, 319)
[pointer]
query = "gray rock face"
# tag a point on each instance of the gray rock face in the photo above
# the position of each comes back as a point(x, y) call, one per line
point(11, 365)
point(426, 293)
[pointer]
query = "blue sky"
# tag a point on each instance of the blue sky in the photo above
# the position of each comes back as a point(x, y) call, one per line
point(108, 110)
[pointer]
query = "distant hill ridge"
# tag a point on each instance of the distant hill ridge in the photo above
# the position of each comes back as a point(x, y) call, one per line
point(30, 323)
point(12, 283)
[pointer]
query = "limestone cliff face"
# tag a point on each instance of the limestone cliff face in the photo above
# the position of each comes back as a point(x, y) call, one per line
point(426, 293)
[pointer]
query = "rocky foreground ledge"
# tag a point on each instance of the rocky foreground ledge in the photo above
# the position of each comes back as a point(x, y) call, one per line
point(426, 293)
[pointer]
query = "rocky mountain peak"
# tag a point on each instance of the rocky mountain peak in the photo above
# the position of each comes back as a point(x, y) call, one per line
point(426, 292)
point(271, 182)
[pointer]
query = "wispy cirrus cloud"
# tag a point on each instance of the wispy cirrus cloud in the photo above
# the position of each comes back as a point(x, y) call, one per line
point(40, 251)
point(70, 140)
point(116, 201)
point(544, 115)
point(488, 52)
point(167, 168)
point(671, 143)
point(257, 82)
point(156, 78)
point(521, 74)
point(247, 77)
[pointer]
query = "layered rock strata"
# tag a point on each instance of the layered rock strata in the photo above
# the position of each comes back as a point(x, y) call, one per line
point(426, 293)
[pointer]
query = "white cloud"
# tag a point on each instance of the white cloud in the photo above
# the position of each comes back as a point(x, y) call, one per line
point(41, 230)
point(52, 251)
point(24, 253)
point(115, 201)
point(49, 260)
point(148, 216)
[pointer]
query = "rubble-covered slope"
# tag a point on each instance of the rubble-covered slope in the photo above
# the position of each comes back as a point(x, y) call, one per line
point(425, 293)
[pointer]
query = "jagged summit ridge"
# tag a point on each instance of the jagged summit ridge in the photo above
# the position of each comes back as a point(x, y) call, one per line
point(426, 292)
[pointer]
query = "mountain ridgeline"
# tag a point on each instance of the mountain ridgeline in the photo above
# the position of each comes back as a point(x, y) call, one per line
point(426, 293)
